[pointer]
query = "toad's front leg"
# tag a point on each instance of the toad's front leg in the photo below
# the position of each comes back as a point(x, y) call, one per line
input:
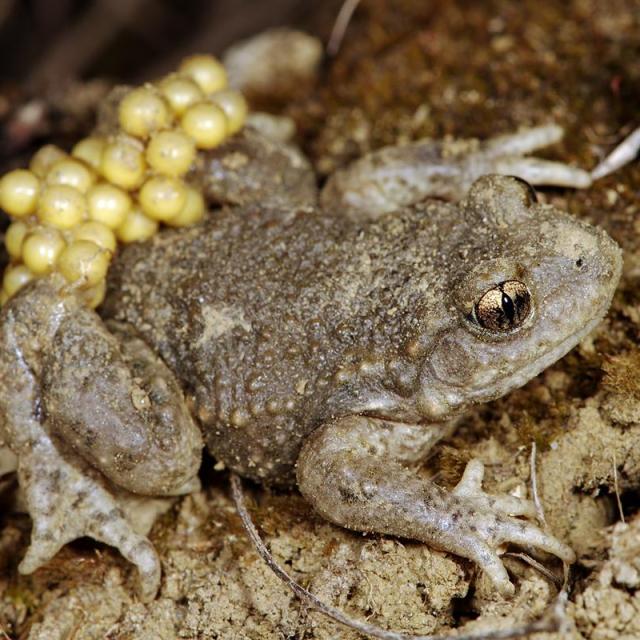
point(351, 471)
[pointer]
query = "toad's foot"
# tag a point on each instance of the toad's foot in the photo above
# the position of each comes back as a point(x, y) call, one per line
point(495, 523)
point(348, 472)
point(395, 177)
point(67, 500)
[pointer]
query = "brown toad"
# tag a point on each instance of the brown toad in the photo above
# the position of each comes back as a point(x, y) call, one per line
point(309, 347)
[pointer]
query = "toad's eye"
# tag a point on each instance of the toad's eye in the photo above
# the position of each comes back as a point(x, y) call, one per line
point(504, 307)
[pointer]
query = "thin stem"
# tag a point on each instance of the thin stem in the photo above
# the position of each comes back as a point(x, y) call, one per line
point(340, 26)
point(534, 484)
point(617, 488)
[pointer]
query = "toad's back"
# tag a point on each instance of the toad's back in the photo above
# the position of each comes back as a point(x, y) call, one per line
point(255, 312)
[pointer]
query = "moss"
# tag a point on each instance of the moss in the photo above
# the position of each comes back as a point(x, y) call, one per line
point(622, 373)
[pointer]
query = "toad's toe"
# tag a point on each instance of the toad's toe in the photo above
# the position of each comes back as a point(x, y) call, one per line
point(470, 486)
point(543, 172)
point(526, 534)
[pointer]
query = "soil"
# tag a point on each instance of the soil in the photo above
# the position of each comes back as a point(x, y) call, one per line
point(409, 69)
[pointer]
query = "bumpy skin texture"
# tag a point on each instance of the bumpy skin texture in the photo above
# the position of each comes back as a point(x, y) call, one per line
point(323, 318)
point(312, 349)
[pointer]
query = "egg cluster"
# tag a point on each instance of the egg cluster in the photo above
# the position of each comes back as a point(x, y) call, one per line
point(70, 210)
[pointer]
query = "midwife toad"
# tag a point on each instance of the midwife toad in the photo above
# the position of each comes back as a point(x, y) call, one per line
point(307, 348)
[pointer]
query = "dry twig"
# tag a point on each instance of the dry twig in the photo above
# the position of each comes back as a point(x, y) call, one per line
point(534, 484)
point(617, 488)
point(340, 26)
point(538, 566)
point(623, 154)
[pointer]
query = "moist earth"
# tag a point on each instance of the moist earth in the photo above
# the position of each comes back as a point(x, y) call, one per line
point(409, 69)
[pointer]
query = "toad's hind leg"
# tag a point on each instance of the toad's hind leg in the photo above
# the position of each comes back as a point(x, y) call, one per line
point(398, 176)
point(351, 473)
point(81, 408)
point(65, 497)
point(116, 404)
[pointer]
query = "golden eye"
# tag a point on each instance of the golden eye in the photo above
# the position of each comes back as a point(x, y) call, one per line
point(504, 307)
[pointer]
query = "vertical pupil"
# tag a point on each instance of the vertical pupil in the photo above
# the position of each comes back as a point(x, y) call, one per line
point(508, 307)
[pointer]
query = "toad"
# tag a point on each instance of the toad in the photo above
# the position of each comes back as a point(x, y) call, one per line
point(319, 342)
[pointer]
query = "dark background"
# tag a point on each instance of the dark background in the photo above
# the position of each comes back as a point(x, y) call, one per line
point(59, 57)
point(43, 40)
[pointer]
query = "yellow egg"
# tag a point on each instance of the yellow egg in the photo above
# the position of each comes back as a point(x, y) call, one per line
point(234, 106)
point(208, 73)
point(19, 190)
point(123, 164)
point(71, 172)
point(136, 227)
point(15, 277)
point(97, 233)
point(192, 211)
point(4, 296)
point(206, 123)
point(162, 198)
point(44, 158)
point(171, 152)
point(94, 296)
point(180, 92)
point(84, 263)
point(41, 249)
point(61, 206)
point(108, 204)
point(143, 111)
point(14, 237)
point(90, 151)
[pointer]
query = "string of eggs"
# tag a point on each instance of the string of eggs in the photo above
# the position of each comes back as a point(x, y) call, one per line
point(68, 211)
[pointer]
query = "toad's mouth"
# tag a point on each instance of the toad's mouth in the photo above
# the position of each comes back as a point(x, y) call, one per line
point(522, 375)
